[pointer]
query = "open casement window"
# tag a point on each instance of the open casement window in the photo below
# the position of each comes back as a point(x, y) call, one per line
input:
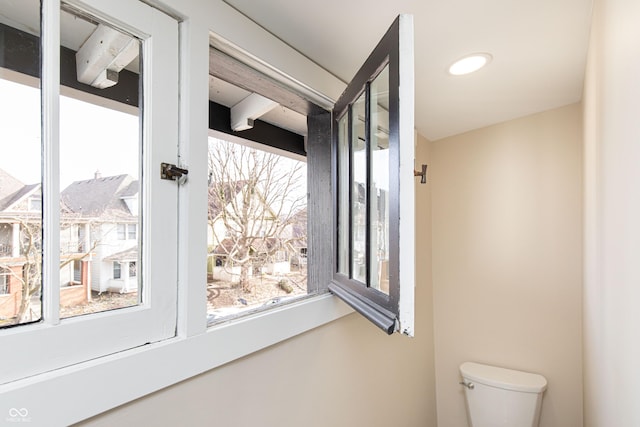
point(113, 65)
point(373, 146)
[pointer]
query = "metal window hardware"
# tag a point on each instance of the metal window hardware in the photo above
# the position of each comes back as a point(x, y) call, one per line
point(470, 386)
point(422, 174)
point(171, 172)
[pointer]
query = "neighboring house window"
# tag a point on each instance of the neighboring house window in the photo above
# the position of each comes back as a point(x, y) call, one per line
point(77, 271)
point(121, 230)
point(6, 250)
point(131, 268)
point(4, 283)
point(35, 204)
point(131, 231)
point(117, 270)
point(126, 231)
point(81, 236)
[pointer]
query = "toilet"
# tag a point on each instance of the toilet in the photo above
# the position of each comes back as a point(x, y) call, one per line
point(499, 397)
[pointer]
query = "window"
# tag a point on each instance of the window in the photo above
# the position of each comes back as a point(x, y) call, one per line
point(131, 231)
point(373, 131)
point(256, 219)
point(257, 191)
point(21, 170)
point(97, 90)
point(132, 269)
point(121, 231)
point(126, 231)
point(117, 270)
point(35, 204)
point(373, 160)
point(77, 271)
point(159, 328)
point(4, 283)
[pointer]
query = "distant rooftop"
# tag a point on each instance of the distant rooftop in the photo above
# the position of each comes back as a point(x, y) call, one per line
point(100, 196)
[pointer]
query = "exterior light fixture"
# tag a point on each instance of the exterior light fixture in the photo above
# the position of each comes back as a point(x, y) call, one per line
point(469, 64)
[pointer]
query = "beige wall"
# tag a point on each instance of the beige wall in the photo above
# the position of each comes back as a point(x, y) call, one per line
point(507, 243)
point(612, 213)
point(344, 374)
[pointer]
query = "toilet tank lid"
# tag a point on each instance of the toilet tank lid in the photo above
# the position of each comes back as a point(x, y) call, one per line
point(508, 379)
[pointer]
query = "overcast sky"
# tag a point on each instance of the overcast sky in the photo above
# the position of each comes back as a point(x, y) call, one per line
point(91, 137)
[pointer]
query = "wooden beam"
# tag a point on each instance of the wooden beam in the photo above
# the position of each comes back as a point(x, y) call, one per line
point(22, 54)
point(233, 71)
point(261, 132)
point(246, 111)
point(103, 55)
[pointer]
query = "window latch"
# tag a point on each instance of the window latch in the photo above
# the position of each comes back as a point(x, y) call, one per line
point(172, 172)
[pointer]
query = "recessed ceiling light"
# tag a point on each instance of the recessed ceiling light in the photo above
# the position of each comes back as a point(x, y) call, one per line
point(469, 64)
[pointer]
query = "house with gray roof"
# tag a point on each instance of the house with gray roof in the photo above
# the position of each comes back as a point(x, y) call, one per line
point(98, 238)
point(20, 207)
point(108, 209)
point(21, 243)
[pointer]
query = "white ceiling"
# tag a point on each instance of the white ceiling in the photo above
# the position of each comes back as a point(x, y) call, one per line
point(539, 51)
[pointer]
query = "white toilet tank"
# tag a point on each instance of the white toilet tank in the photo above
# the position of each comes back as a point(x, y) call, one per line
point(498, 397)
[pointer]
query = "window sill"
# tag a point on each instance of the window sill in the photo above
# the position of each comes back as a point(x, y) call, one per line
point(43, 395)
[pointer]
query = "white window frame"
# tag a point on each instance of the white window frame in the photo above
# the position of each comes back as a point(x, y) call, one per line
point(195, 348)
point(54, 343)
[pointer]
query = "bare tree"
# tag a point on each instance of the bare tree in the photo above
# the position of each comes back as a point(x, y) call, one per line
point(255, 196)
point(27, 270)
point(30, 273)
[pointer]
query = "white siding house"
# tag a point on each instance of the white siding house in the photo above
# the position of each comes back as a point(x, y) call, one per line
point(109, 208)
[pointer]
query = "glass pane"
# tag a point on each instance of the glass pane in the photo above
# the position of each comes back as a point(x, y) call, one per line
point(257, 229)
point(343, 195)
point(20, 160)
point(379, 188)
point(358, 191)
point(99, 167)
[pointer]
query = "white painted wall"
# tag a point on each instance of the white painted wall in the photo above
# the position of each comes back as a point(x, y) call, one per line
point(612, 213)
point(507, 251)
